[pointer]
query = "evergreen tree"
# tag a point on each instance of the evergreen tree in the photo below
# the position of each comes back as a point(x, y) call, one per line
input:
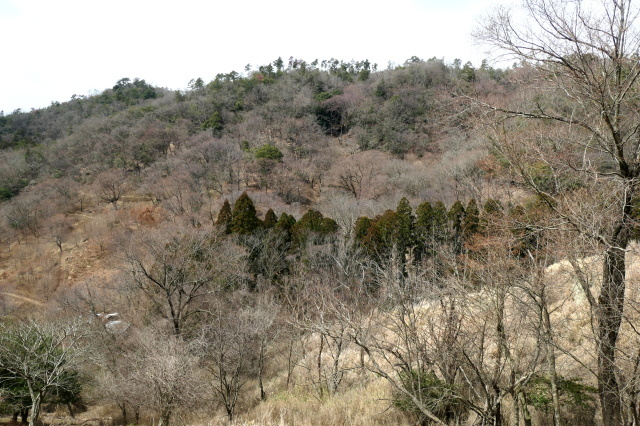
point(406, 222)
point(214, 122)
point(493, 206)
point(405, 239)
point(424, 219)
point(382, 235)
point(329, 226)
point(285, 222)
point(224, 216)
point(491, 209)
point(244, 219)
point(471, 221)
point(455, 216)
point(284, 225)
point(270, 219)
point(439, 223)
point(424, 232)
point(313, 222)
point(361, 228)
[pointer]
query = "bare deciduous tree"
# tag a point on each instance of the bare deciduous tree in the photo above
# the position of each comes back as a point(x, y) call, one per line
point(111, 186)
point(42, 354)
point(164, 370)
point(177, 271)
point(585, 98)
point(234, 344)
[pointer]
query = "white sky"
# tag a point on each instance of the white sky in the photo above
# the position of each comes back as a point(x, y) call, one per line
point(54, 49)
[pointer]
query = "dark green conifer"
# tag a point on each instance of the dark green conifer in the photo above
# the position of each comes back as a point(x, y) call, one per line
point(283, 226)
point(313, 222)
point(493, 206)
point(455, 215)
point(471, 221)
point(244, 219)
point(270, 219)
point(386, 227)
point(492, 210)
point(406, 222)
point(285, 222)
point(224, 216)
point(440, 230)
point(361, 228)
point(424, 220)
point(424, 233)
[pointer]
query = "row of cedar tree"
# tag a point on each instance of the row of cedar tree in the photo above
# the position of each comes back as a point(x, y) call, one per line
point(401, 232)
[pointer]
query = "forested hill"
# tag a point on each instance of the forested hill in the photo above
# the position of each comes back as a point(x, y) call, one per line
point(323, 243)
point(303, 109)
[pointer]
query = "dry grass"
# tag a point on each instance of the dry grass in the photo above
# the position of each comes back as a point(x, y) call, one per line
point(359, 405)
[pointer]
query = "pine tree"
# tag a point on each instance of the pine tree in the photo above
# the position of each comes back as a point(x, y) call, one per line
point(424, 232)
point(492, 210)
point(455, 215)
point(493, 206)
point(361, 228)
point(270, 219)
point(313, 222)
point(406, 222)
point(284, 225)
point(244, 219)
point(285, 222)
point(471, 221)
point(224, 216)
point(440, 220)
point(405, 239)
point(387, 232)
point(424, 219)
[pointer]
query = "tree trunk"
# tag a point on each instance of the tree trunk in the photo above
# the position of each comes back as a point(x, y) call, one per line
point(36, 400)
point(164, 419)
point(497, 412)
point(136, 414)
point(320, 384)
point(551, 360)
point(263, 394)
point(289, 364)
point(70, 408)
point(517, 409)
point(526, 415)
point(123, 409)
point(609, 313)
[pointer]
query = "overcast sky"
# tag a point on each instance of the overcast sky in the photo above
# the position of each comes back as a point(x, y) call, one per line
point(54, 49)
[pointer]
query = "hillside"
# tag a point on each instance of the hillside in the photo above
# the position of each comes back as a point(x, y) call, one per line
point(324, 243)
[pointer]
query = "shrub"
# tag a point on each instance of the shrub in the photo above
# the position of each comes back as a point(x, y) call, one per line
point(268, 152)
point(434, 394)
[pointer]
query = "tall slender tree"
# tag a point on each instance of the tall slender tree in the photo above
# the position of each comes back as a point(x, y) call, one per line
point(224, 216)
